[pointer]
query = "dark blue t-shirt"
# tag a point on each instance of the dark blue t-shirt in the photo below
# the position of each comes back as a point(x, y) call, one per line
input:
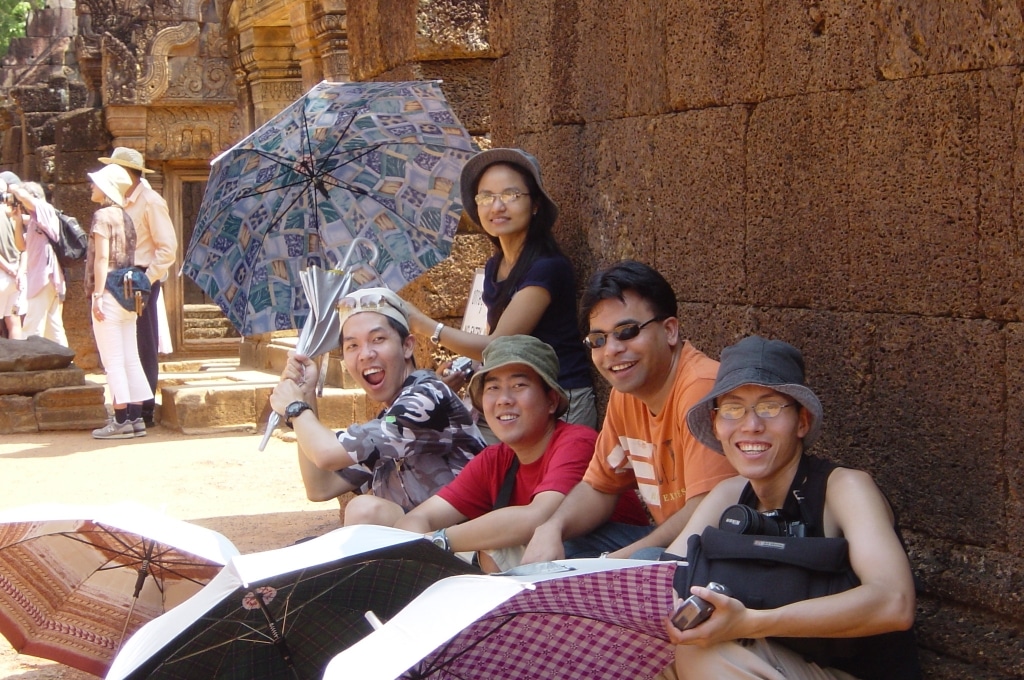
point(558, 325)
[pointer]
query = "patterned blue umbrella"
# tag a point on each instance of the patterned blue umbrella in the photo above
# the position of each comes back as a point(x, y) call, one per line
point(379, 161)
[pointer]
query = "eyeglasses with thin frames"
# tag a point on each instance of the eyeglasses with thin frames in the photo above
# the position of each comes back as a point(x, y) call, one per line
point(507, 196)
point(762, 409)
point(624, 332)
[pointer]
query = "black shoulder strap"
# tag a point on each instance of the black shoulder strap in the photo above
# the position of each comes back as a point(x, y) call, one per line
point(505, 492)
point(806, 498)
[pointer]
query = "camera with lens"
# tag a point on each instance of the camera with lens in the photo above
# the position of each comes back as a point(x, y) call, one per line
point(8, 198)
point(696, 610)
point(743, 519)
point(463, 365)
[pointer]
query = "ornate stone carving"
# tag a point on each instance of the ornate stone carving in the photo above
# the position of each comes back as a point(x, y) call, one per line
point(191, 132)
point(154, 81)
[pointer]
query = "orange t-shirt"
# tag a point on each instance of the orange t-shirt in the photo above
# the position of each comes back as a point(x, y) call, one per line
point(657, 454)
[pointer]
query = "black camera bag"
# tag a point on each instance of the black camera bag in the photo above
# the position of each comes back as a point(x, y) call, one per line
point(765, 572)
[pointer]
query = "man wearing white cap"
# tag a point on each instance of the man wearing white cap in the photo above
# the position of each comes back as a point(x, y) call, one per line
point(417, 444)
point(155, 252)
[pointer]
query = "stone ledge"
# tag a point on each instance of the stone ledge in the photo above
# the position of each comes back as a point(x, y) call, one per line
point(33, 382)
point(198, 405)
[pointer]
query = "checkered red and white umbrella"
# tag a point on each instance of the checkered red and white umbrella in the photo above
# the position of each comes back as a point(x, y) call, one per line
point(595, 619)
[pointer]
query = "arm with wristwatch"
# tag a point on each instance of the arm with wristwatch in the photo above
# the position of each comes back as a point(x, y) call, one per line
point(520, 318)
point(319, 451)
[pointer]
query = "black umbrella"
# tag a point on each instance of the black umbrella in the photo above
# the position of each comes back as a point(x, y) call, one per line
point(285, 613)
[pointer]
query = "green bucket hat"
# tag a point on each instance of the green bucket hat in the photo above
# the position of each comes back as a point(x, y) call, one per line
point(520, 349)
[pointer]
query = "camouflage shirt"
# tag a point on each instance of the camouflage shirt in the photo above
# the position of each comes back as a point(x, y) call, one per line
point(415, 446)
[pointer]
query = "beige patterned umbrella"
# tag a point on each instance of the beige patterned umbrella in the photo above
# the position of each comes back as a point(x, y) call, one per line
point(75, 581)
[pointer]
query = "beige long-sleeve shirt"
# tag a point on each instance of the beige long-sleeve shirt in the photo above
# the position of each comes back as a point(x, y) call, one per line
point(156, 247)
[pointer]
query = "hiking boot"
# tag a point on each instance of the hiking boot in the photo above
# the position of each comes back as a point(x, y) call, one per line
point(138, 427)
point(115, 430)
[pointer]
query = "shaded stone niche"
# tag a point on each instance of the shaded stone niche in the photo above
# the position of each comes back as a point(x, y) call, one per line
point(41, 389)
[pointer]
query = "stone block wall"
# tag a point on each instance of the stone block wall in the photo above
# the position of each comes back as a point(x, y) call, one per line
point(842, 174)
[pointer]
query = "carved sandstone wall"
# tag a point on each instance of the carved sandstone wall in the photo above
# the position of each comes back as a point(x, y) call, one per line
point(845, 175)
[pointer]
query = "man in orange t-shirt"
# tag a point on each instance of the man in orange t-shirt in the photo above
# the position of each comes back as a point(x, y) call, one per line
point(644, 444)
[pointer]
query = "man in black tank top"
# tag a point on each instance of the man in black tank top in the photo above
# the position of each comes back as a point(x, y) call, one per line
point(762, 416)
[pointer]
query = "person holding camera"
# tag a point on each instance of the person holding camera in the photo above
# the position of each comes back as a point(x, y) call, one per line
point(422, 438)
point(12, 243)
point(44, 281)
point(763, 418)
point(492, 507)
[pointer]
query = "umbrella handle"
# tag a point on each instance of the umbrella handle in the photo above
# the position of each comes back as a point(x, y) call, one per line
point(352, 248)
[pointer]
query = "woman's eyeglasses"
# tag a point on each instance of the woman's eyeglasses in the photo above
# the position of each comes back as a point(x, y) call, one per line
point(507, 196)
point(623, 333)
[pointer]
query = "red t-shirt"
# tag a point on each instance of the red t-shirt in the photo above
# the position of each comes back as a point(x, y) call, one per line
point(475, 489)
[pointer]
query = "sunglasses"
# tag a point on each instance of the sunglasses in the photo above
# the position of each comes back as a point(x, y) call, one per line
point(363, 302)
point(623, 333)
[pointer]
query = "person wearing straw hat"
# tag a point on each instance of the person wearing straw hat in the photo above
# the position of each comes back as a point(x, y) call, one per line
point(45, 285)
point(637, 345)
point(763, 418)
point(112, 243)
point(422, 438)
point(508, 489)
point(529, 283)
point(155, 252)
point(12, 243)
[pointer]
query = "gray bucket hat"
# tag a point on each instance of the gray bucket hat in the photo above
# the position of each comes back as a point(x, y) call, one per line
point(9, 178)
point(757, 361)
point(547, 212)
point(520, 349)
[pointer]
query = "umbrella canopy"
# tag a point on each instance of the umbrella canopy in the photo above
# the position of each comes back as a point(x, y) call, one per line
point(594, 618)
point(374, 160)
point(284, 613)
point(77, 580)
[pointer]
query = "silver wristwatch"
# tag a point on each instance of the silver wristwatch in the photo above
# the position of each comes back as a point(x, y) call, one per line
point(440, 539)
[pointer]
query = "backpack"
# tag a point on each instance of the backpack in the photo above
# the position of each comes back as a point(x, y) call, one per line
point(71, 245)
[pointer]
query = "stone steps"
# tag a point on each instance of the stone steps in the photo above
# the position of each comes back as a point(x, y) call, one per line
point(202, 397)
point(206, 322)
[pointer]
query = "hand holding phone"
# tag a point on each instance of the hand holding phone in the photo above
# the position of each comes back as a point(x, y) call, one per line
point(696, 610)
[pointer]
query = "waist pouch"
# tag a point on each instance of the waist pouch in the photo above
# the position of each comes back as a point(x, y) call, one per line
point(130, 287)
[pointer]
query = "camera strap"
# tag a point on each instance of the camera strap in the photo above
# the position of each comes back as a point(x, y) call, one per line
point(809, 484)
point(507, 484)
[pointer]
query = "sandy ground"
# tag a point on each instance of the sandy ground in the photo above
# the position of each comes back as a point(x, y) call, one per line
point(221, 482)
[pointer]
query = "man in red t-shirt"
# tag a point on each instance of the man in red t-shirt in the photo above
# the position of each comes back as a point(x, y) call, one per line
point(538, 461)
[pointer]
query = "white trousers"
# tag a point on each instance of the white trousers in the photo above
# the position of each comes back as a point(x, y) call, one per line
point(119, 351)
point(45, 316)
point(756, 660)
